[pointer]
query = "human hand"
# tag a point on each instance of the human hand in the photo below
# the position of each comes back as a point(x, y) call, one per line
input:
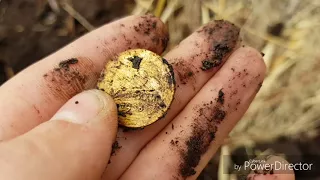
point(49, 133)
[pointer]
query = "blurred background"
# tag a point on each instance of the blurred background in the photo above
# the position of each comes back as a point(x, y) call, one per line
point(285, 115)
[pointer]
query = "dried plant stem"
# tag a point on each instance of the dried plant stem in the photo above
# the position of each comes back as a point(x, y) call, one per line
point(159, 7)
point(83, 21)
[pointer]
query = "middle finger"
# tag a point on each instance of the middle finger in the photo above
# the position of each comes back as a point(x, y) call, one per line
point(195, 60)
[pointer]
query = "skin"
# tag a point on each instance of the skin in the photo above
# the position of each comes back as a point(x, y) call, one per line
point(56, 129)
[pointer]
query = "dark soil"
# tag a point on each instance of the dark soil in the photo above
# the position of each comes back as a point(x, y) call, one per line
point(115, 148)
point(171, 79)
point(130, 129)
point(192, 157)
point(221, 97)
point(209, 116)
point(65, 64)
point(221, 50)
point(226, 36)
point(135, 62)
point(31, 30)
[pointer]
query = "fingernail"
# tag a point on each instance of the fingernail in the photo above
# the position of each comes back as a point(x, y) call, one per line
point(82, 108)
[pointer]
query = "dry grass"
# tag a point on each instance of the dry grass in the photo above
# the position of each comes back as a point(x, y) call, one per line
point(288, 103)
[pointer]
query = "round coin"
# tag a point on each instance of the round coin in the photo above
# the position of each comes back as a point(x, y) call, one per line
point(142, 85)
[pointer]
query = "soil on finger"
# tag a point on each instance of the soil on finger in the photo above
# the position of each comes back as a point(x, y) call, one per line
point(225, 37)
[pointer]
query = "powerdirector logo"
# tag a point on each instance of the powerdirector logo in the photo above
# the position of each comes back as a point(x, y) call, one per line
point(262, 165)
point(274, 164)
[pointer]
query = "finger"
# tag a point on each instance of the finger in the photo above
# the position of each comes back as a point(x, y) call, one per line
point(39, 91)
point(272, 172)
point(213, 42)
point(74, 144)
point(186, 145)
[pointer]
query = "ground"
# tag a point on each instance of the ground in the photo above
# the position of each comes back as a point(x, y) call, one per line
point(31, 30)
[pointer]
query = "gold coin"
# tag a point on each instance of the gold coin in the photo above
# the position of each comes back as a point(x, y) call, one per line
point(142, 85)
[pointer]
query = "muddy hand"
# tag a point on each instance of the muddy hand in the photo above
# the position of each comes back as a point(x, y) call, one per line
point(48, 134)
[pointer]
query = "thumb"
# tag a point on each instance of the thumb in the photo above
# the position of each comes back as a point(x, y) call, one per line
point(75, 144)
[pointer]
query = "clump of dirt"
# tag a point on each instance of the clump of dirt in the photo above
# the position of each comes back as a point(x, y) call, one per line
point(65, 64)
point(219, 115)
point(208, 64)
point(221, 50)
point(115, 148)
point(172, 142)
point(171, 78)
point(192, 157)
point(136, 60)
point(225, 36)
point(205, 126)
point(221, 97)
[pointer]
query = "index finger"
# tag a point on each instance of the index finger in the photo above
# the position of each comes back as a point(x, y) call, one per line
point(39, 91)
